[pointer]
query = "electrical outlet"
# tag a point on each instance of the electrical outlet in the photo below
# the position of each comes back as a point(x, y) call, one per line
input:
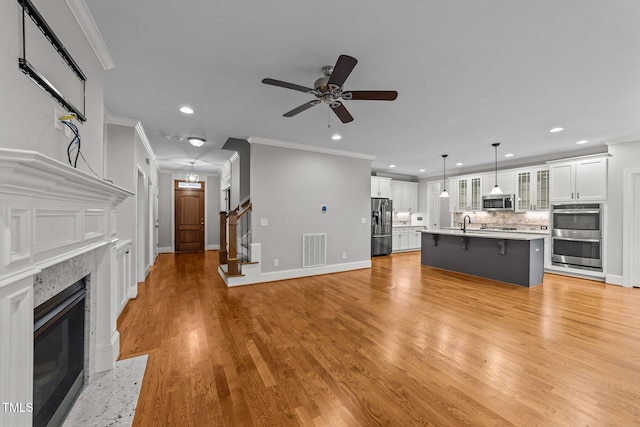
point(543, 227)
point(459, 224)
point(56, 122)
point(275, 262)
point(264, 222)
point(344, 255)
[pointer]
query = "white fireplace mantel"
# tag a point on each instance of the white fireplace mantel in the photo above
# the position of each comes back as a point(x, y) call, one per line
point(49, 214)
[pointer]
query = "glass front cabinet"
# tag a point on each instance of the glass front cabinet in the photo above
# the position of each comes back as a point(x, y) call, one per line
point(533, 190)
point(469, 194)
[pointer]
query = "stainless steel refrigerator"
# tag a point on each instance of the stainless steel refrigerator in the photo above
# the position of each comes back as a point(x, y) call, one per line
point(381, 210)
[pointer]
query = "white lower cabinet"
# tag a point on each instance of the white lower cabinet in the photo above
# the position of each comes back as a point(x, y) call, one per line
point(406, 238)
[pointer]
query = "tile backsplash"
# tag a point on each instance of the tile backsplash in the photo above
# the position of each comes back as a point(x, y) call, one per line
point(520, 220)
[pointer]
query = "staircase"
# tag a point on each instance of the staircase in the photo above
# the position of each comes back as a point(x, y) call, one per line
point(236, 248)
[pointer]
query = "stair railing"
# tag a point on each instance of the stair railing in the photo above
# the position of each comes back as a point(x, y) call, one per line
point(229, 241)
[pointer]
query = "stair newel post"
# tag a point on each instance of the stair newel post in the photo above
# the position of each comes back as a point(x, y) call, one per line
point(222, 253)
point(233, 267)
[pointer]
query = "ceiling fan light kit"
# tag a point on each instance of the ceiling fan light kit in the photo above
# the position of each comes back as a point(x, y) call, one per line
point(328, 90)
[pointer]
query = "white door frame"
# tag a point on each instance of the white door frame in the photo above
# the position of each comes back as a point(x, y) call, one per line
point(631, 228)
point(141, 241)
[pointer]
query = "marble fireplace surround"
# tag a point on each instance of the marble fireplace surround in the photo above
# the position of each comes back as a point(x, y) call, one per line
point(57, 225)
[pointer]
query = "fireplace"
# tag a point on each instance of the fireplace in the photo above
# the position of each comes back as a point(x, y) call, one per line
point(58, 354)
point(58, 226)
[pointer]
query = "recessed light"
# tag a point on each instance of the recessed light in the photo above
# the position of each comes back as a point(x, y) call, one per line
point(195, 141)
point(186, 110)
point(422, 170)
point(584, 141)
point(459, 164)
point(336, 137)
point(558, 129)
point(392, 166)
point(509, 155)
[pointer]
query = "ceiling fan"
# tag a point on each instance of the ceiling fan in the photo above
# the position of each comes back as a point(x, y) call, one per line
point(328, 90)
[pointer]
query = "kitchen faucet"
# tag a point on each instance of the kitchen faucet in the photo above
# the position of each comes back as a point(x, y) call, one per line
point(464, 223)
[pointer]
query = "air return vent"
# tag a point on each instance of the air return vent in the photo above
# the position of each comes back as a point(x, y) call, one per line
point(314, 250)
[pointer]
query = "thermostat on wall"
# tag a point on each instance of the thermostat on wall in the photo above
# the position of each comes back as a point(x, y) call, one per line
point(324, 208)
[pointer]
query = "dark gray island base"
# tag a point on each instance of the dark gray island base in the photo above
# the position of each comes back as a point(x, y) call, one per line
point(513, 258)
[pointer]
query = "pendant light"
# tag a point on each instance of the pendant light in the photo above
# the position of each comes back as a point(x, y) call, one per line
point(496, 188)
point(192, 177)
point(444, 175)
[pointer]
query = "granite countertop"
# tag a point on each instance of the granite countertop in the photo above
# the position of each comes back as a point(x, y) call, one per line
point(488, 230)
point(486, 234)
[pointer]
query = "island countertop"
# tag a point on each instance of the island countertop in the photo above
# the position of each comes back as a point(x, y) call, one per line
point(500, 235)
point(515, 258)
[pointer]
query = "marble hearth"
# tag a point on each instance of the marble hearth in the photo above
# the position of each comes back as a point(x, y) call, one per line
point(57, 224)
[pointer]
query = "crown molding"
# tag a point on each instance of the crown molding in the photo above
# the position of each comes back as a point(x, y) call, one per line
point(294, 146)
point(622, 140)
point(137, 125)
point(88, 26)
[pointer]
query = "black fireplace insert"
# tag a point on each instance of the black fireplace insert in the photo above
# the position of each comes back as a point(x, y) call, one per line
point(58, 354)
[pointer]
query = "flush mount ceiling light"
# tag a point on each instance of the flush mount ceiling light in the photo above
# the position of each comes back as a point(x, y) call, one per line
point(496, 188)
point(444, 175)
point(556, 129)
point(192, 177)
point(195, 141)
point(186, 110)
point(336, 137)
point(584, 141)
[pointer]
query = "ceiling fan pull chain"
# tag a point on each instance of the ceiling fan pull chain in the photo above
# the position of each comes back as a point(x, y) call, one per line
point(329, 118)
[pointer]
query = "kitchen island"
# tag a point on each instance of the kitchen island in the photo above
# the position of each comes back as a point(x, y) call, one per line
point(514, 258)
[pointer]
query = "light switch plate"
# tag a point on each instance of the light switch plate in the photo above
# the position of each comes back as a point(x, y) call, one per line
point(363, 220)
point(264, 222)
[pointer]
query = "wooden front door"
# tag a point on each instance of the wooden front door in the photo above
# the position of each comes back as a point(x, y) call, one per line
point(189, 215)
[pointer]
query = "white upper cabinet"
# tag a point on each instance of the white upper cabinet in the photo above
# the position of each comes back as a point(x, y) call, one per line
point(405, 196)
point(381, 187)
point(532, 189)
point(506, 181)
point(578, 180)
point(468, 193)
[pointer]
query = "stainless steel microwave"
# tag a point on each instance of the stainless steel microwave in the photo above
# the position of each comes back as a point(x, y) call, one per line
point(498, 202)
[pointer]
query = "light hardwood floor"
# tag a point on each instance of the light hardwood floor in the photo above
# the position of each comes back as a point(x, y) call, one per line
point(399, 344)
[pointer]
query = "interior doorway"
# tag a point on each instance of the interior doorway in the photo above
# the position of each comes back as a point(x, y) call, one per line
point(141, 226)
point(189, 216)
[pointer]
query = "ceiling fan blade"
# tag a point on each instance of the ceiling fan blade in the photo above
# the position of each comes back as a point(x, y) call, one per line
point(280, 83)
point(342, 69)
point(374, 95)
point(301, 108)
point(342, 113)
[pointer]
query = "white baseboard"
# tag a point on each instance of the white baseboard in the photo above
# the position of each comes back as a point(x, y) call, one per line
point(296, 273)
point(165, 250)
point(133, 291)
point(614, 279)
point(107, 354)
point(213, 247)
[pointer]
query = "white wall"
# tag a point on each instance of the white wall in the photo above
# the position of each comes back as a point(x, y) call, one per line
point(623, 156)
point(126, 156)
point(26, 111)
point(288, 187)
point(165, 189)
point(213, 208)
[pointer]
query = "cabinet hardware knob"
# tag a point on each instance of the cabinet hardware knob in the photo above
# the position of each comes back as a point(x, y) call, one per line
point(572, 195)
point(578, 195)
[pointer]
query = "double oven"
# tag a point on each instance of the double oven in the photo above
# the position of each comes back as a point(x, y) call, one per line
point(576, 236)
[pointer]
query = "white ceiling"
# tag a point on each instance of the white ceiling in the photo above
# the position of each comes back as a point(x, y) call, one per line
point(468, 73)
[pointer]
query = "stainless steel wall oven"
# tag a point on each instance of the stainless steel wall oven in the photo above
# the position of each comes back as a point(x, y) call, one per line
point(576, 236)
